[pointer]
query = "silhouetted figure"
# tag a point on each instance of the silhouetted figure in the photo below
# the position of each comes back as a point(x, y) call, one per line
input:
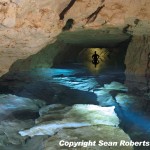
point(95, 58)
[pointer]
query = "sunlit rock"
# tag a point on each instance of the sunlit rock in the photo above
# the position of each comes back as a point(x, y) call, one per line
point(78, 116)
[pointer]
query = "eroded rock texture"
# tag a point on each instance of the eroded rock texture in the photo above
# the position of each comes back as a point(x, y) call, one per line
point(28, 26)
point(77, 123)
point(138, 61)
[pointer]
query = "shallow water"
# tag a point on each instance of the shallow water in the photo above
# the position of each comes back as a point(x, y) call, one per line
point(78, 86)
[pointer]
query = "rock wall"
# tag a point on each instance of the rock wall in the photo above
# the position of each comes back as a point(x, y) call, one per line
point(138, 63)
point(43, 59)
point(137, 55)
point(68, 46)
point(26, 26)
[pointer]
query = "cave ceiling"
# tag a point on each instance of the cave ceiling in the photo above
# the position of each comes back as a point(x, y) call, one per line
point(95, 38)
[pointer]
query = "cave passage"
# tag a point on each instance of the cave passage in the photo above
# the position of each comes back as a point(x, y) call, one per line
point(107, 59)
point(74, 79)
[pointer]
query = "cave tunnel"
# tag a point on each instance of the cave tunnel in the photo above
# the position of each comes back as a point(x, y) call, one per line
point(74, 74)
point(71, 56)
point(66, 66)
point(62, 79)
point(111, 50)
point(111, 58)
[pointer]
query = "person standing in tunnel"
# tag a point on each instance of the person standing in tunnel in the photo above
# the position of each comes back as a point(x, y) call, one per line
point(95, 58)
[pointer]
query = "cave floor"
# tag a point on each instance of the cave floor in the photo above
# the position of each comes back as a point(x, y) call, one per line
point(68, 86)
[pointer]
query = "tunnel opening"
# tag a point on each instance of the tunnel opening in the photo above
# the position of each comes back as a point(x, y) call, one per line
point(109, 59)
point(79, 51)
point(63, 73)
point(77, 47)
point(70, 57)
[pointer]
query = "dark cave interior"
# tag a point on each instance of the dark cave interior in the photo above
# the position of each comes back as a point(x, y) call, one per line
point(111, 58)
point(73, 79)
point(111, 50)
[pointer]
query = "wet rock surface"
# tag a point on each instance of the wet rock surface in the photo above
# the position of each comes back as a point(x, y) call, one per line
point(117, 106)
point(77, 116)
point(94, 133)
point(9, 137)
point(19, 107)
point(16, 113)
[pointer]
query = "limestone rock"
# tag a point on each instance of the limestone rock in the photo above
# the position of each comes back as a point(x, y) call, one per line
point(104, 97)
point(28, 26)
point(78, 116)
point(92, 133)
point(115, 86)
point(14, 106)
point(45, 110)
point(9, 136)
point(137, 60)
point(130, 102)
point(16, 113)
point(10, 16)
